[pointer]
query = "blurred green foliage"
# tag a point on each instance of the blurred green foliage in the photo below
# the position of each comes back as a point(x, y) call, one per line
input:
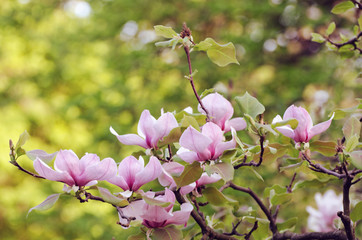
point(65, 77)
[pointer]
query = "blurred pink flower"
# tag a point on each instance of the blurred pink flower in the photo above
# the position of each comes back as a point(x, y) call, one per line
point(220, 110)
point(150, 130)
point(132, 173)
point(155, 216)
point(322, 218)
point(74, 172)
point(207, 145)
point(305, 129)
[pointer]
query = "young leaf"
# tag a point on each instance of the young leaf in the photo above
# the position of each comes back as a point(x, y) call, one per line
point(288, 225)
point(331, 28)
point(356, 213)
point(215, 197)
point(342, 7)
point(190, 174)
point(316, 37)
point(351, 127)
point(356, 158)
point(46, 204)
point(167, 233)
point(352, 143)
point(22, 139)
point(172, 137)
point(189, 121)
point(109, 197)
point(325, 148)
point(220, 54)
point(226, 170)
point(256, 174)
point(41, 154)
point(360, 23)
point(282, 198)
point(250, 105)
point(293, 123)
point(164, 31)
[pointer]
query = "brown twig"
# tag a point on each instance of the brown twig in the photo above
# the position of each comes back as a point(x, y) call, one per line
point(187, 33)
point(252, 162)
point(352, 41)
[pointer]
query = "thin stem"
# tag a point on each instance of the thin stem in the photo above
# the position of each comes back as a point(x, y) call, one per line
point(26, 171)
point(252, 162)
point(191, 79)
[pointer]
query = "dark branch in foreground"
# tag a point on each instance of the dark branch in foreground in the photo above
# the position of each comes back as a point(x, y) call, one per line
point(252, 162)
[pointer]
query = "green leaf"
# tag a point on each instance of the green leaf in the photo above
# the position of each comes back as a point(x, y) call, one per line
point(288, 225)
point(168, 233)
point(190, 174)
point(356, 213)
point(220, 54)
point(342, 7)
point(164, 31)
point(189, 121)
point(153, 201)
point(207, 92)
point(250, 105)
point(315, 183)
point(341, 113)
point(279, 199)
point(277, 189)
point(215, 197)
point(22, 139)
point(325, 148)
point(293, 123)
point(270, 154)
point(351, 127)
point(356, 158)
point(360, 23)
point(316, 37)
point(256, 174)
point(46, 204)
point(267, 128)
point(352, 143)
point(109, 197)
point(226, 170)
point(331, 28)
point(139, 236)
point(172, 137)
point(228, 155)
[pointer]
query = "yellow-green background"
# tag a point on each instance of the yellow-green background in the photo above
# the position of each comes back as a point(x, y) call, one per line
point(66, 80)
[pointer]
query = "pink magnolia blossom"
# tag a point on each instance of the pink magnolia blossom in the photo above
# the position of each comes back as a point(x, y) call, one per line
point(150, 130)
point(322, 218)
point(220, 110)
point(207, 145)
point(173, 168)
point(155, 216)
point(305, 129)
point(132, 173)
point(74, 172)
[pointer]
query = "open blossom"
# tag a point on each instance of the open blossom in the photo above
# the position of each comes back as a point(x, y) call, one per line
point(207, 145)
point(150, 130)
point(220, 110)
point(305, 129)
point(173, 168)
point(74, 172)
point(322, 218)
point(157, 217)
point(133, 173)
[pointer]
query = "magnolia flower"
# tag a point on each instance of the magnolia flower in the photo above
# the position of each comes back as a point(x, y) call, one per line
point(155, 216)
point(220, 110)
point(207, 145)
point(132, 173)
point(173, 168)
point(322, 218)
point(150, 130)
point(305, 129)
point(74, 172)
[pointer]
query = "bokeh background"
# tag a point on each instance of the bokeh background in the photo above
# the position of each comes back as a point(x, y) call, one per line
point(70, 69)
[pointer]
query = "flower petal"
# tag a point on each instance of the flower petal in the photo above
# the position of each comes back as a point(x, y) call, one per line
point(286, 131)
point(45, 171)
point(194, 140)
point(146, 125)
point(189, 156)
point(130, 139)
point(223, 146)
point(237, 123)
point(67, 161)
point(103, 170)
point(152, 170)
point(181, 217)
point(163, 126)
point(319, 128)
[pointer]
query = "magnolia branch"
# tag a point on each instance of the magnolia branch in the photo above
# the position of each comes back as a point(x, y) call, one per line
point(187, 33)
point(252, 162)
point(352, 41)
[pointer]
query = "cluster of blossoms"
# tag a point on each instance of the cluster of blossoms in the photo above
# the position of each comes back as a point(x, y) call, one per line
point(204, 146)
